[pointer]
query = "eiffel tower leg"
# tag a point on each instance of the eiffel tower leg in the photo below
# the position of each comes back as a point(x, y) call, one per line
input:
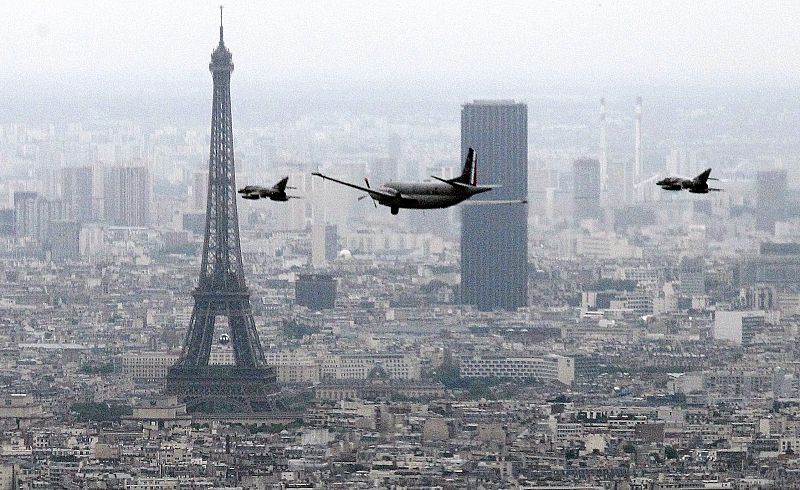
point(246, 346)
point(200, 335)
point(207, 337)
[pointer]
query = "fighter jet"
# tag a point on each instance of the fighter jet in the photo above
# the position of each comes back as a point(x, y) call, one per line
point(697, 185)
point(427, 195)
point(275, 193)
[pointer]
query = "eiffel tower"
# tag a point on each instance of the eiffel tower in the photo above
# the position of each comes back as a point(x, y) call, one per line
point(248, 385)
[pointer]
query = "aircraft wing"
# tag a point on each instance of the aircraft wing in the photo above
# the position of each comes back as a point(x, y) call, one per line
point(454, 184)
point(371, 192)
point(465, 186)
point(250, 189)
point(499, 201)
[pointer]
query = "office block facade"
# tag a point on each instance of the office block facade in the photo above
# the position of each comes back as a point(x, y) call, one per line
point(494, 238)
point(127, 196)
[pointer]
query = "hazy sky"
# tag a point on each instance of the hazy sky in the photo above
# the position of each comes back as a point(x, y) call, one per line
point(149, 59)
point(410, 41)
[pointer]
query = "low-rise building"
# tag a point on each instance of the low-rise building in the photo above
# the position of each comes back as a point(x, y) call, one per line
point(548, 368)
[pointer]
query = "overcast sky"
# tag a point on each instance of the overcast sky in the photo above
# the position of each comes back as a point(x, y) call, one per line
point(600, 42)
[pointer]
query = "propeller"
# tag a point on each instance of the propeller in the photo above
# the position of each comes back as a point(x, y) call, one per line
point(366, 181)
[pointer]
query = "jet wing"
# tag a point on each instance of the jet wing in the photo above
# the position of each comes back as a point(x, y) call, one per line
point(250, 189)
point(371, 192)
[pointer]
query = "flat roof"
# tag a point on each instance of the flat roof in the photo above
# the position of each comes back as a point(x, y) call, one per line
point(51, 345)
point(494, 102)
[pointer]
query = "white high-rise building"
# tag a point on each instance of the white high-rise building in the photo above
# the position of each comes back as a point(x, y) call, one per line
point(324, 244)
point(738, 327)
point(199, 190)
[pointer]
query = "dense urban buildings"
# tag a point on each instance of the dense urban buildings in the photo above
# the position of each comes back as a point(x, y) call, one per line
point(494, 244)
point(656, 345)
point(623, 345)
point(652, 348)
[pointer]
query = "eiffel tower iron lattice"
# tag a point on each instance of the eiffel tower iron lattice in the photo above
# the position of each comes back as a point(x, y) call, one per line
point(249, 384)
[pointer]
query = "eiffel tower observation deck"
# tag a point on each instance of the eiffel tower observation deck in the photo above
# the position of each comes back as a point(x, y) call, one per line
point(249, 385)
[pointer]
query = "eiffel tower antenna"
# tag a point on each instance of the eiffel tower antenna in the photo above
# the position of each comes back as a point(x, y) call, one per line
point(220, 24)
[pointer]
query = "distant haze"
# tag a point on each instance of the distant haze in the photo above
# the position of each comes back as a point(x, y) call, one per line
point(459, 48)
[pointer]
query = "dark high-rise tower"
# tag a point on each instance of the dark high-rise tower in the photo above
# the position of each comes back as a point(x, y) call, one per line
point(494, 238)
point(221, 289)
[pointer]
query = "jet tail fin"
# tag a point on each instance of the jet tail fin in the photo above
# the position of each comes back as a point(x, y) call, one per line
point(704, 176)
point(281, 185)
point(469, 175)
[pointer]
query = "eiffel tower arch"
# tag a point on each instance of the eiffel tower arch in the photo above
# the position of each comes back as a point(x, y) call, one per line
point(249, 384)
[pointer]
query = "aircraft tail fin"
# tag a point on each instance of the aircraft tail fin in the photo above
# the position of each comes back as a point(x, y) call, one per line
point(281, 185)
point(703, 177)
point(469, 174)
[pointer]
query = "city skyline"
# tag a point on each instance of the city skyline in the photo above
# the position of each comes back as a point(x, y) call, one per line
point(588, 329)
